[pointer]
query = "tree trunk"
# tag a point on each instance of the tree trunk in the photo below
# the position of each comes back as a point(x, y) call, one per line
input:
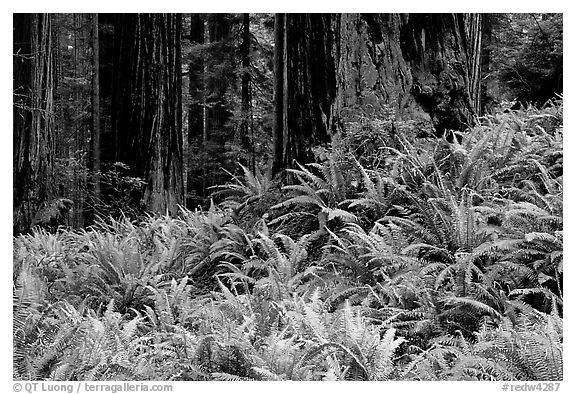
point(80, 125)
point(219, 29)
point(423, 67)
point(147, 104)
point(95, 111)
point(473, 40)
point(278, 127)
point(33, 111)
point(488, 86)
point(309, 87)
point(247, 142)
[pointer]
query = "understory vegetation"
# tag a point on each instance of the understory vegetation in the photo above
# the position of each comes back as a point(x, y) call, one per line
point(388, 258)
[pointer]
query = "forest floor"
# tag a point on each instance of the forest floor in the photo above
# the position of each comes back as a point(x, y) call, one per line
point(409, 260)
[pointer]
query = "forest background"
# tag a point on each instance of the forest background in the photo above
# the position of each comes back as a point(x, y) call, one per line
point(223, 64)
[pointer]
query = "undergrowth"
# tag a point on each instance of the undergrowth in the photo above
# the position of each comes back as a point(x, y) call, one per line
point(419, 260)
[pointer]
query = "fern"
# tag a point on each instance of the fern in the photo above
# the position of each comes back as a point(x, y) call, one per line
point(326, 192)
point(244, 189)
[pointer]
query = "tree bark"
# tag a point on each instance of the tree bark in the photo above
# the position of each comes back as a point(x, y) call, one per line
point(147, 103)
point(473, 38)
point(308, 89)
point(95, 111)
point(33, 110)
point(245, 129)
point(421, 66)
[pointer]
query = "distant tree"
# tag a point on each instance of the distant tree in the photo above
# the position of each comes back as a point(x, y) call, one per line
point(107, 52)
point(147, 105)
point(94, 40)
point(278, 130)
point(33, 111)
point(214, 67)
point(73, 113)
point(473, 45)
point(197, 127)
point(489, 25)
point(523, 57)
point(219, 70)
point(246, 129)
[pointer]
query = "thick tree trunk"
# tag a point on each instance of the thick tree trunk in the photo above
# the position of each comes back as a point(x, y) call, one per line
point(147, 104)
point(421, 66)
point(309, 87)
point(33, 138)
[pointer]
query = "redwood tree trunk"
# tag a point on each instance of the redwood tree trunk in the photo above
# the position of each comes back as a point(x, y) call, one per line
point(147, 106)
point(245, 129)
point(308, 88)
point(422, 66)
point(33, 135)
point(473, 40)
